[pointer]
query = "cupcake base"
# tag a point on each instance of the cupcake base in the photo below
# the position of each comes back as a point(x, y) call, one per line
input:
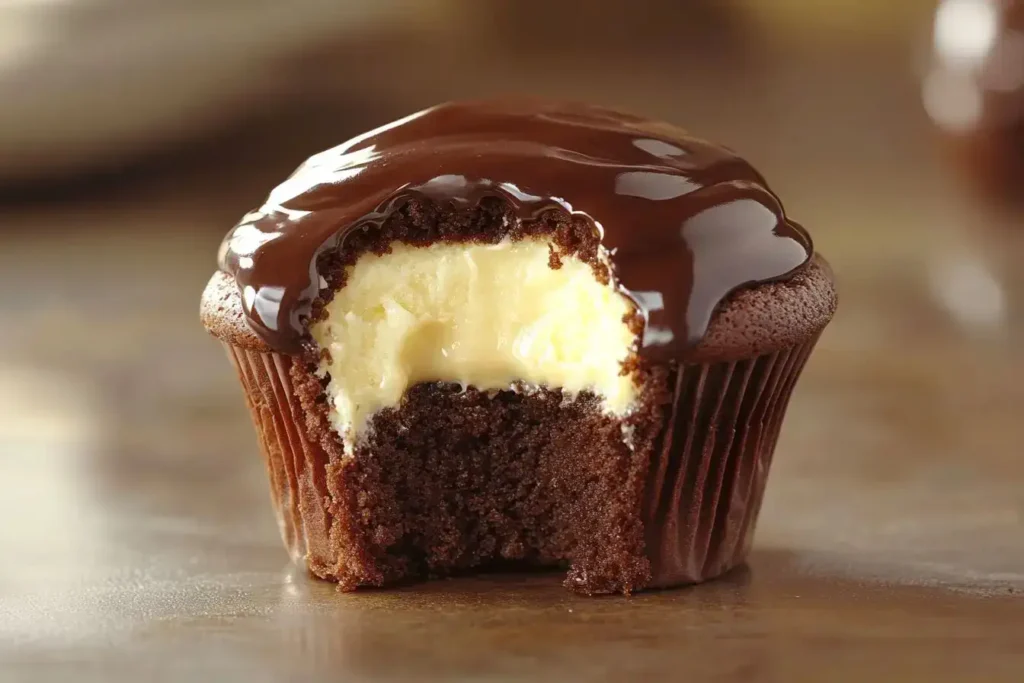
point(454, 480)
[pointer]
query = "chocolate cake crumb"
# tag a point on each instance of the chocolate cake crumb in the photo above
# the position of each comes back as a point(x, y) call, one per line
point(458, 479)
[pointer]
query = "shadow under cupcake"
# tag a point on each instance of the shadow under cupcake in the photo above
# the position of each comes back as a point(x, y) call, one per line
point(525, 331)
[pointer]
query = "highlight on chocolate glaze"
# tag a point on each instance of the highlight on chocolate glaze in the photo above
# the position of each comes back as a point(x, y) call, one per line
point(683, 221)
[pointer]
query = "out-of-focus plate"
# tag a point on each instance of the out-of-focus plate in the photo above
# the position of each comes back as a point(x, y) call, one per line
point(86, 81)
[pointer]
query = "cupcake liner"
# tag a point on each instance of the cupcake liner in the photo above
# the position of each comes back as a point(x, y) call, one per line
point(296, 465)
point(708, 473)
point(704, 485)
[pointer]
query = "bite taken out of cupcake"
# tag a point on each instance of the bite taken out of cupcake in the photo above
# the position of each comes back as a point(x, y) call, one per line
point(519, 333)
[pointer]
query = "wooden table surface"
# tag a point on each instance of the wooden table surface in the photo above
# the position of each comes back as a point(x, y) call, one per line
point(138, 541)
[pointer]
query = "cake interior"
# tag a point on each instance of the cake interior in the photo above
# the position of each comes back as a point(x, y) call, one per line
point(483, 315)
point(481, 406)
point(458, 479)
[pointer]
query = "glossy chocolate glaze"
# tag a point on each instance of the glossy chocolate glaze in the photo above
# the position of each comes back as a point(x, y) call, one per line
point(685, 222)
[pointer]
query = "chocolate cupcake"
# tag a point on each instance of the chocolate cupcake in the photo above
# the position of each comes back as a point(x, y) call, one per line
point(519, 332)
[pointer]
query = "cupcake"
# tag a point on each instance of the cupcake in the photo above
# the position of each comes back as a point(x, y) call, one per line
point(519, 334)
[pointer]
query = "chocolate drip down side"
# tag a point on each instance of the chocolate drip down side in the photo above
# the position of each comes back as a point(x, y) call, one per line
point(685, 222)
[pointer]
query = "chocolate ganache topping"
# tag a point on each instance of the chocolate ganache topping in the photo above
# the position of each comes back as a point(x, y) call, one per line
point(686, 222)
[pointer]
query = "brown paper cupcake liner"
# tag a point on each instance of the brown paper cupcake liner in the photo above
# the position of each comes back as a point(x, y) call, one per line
point(704, 487)
point(708, 473)
point(296, 465)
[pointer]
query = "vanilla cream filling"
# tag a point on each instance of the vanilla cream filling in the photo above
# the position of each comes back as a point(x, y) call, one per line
point(486, 316)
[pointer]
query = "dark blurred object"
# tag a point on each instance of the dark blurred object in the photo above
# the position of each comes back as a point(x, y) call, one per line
point(975, 92)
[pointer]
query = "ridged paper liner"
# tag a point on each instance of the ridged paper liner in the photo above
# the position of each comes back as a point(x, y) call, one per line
point(296, 466)
point(707, 473)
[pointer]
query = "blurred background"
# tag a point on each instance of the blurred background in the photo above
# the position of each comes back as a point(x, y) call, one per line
point(134, 133)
